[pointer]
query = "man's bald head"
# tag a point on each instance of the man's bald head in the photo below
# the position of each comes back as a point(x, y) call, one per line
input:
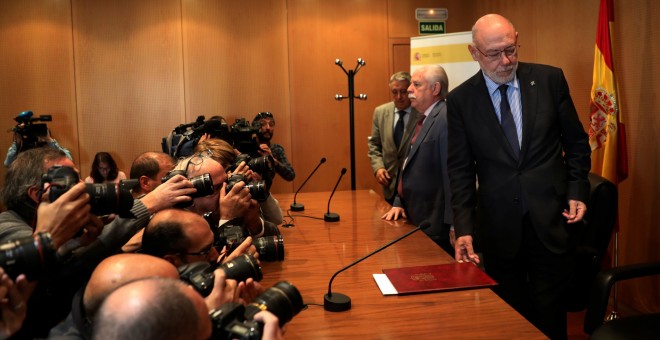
point(149, 168)
point(154, 308)
point(118, 270)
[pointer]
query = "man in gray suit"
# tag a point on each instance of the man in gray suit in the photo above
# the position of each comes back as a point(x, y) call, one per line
point(390, 134)
point(423, 195)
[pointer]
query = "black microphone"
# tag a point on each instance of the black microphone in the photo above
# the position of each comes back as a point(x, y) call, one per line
point(333, 217)
point(299, 206)
point(338, 302)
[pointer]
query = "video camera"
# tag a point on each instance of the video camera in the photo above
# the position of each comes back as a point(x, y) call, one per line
point(32, 256)
point(183, 138)
point(241, 135)
point(30, 132)
point(104, 199)
point(234, 321)
point(201, 277)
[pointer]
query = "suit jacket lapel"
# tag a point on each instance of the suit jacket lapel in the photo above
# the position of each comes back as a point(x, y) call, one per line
point(428, 123)
point(529, 99)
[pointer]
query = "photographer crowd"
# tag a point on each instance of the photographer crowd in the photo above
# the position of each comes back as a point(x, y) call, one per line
point(172, 252)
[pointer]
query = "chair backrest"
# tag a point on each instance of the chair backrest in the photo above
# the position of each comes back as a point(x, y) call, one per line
point(594, 239)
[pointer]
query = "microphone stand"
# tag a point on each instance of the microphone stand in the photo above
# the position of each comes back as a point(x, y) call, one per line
point(351, 109)
point(299, 206)
point(333, 217)
point(338, 302)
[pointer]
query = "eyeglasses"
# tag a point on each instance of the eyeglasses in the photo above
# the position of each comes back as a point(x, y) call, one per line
point(495, 55)
point(198, 158)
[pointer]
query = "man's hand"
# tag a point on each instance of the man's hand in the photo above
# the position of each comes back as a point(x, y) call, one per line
point(13, 304)
point(64, 217)
point(382, 176)
point(166, 195)
point(394, 214)
point(464, 250)
point(246, 247)
point(224, 290)
point(234, 203)
point(249, 290)
point(272, 330)
point(576, 212)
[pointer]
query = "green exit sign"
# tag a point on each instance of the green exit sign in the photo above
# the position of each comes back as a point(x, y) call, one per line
point(431, 27)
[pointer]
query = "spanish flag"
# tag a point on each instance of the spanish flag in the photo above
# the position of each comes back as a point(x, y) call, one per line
point(607, 134)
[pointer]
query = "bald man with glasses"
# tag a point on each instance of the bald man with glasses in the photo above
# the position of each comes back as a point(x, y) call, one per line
point(513, 126)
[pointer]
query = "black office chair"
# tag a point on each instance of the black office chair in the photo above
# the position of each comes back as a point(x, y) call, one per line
point(646, 326)
point(594, 239)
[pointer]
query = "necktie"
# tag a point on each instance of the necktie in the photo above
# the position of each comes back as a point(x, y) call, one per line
point(508, 125)
point(398, 129)
point(418, 128)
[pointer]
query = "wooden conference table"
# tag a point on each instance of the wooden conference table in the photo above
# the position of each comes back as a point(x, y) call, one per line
point(315, 250)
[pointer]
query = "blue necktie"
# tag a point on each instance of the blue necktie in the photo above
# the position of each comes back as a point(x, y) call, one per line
point(508, 125)
point(398, 128)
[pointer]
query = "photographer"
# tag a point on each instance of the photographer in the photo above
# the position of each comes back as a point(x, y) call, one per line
point(224, 154)
point(183, 237)
point(282, 166)
point(64, 217)
point(27, 137)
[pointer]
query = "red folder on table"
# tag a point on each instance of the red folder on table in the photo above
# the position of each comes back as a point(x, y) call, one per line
point(442, 277)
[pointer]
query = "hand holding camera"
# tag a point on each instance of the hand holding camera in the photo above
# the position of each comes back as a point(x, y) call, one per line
point(175, 190)
point(66, 216)
point(234, 200)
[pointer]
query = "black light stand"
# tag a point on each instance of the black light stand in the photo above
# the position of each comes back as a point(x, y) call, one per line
point(351, 96)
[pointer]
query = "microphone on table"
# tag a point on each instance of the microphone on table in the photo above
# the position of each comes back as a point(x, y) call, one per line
point(337, 302)
point(329, 216)
point(299, 206)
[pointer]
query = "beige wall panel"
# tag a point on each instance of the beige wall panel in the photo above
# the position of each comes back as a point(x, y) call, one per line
point(129, 76)
point(36, 68)
point(637, 65)
point(238, 67)
point(320, 32)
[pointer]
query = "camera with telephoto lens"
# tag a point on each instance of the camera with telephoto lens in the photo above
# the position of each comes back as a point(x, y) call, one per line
point(229, 235)
point(258, 189)
point(104, 199)
point(200, 274)
point(263, 165)
point(203, 183)
point(30, 132)
point(32, 256)
point(234, 321)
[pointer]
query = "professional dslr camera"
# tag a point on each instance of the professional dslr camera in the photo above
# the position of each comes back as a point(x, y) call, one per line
point(203, 183)
point(104, 199)
point(234, 321)
point(263, 165)
point(32, 256)
point(270, 248)
point(200, 274)
point(258, 189)
point(183, 138)
point(30, 132)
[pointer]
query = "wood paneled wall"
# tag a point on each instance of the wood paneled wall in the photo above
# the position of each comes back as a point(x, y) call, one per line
point(119, 75)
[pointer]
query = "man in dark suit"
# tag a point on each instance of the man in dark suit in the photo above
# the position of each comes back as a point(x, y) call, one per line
point(423, 192)
point(391, 130)
point(515, 128)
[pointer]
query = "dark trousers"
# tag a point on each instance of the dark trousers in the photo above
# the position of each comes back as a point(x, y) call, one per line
point(534, 282)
